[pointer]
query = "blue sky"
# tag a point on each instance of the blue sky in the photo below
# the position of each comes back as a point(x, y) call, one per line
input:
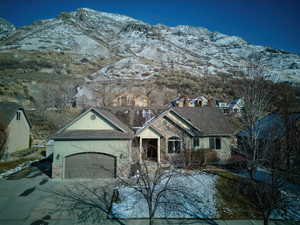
point(272, 23)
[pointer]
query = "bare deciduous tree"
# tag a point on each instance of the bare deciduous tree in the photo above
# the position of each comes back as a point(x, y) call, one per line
point(87, 202)
point(257, 95)
point(272, 195)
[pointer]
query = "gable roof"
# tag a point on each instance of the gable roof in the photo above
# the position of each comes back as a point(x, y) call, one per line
point(271, 126)
point(122, 132)
point(8, 111)
point(208, 120)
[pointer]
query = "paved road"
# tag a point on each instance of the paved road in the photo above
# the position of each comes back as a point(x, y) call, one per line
point(25, 200)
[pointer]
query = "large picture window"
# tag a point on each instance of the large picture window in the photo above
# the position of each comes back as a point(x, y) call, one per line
point(174, 145)
point(215, 143)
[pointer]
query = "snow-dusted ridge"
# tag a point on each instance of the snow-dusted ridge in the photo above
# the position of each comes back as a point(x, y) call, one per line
point(118, 38)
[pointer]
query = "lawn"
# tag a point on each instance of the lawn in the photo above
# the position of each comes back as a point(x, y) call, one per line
point(4, 166)
point(231, 203)
point(216, 195)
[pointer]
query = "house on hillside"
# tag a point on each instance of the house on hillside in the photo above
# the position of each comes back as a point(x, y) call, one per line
point(16, 125)
point(236, 105)
point(185, 101)
point(103, 143)
point(200, 101)
point(222, 105)
point(130, 99)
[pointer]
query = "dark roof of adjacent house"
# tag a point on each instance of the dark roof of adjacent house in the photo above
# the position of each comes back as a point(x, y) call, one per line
point(8, 111)
point(91, 135)
point(208, 120)
point(271, 127)
point(135, 116)
point(113, 118)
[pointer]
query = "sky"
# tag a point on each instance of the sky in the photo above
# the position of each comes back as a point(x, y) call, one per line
point(274, 23)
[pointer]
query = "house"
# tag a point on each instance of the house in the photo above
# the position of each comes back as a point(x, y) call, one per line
point(224, 106)
point(100, 143)
point(236, 105)
point(96, 144)
point(200, 101)
point(17, 126)
point(271, 131)
point(185, 101)
point(130, 99)
point(204, 131)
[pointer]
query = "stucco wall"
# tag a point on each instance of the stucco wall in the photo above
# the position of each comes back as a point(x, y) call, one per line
point(118, 148)
point(225, 152)
point(91, 121)
point(18, 134)
point(148, 133)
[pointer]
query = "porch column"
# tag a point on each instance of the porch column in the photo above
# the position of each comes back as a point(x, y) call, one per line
point(141, 149)
point(158, 150)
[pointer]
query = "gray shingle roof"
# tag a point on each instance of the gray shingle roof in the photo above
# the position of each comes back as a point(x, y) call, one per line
point(8, 111)
point(209, 120)
point(110, 116)
point(91, 135)
point(135, 116)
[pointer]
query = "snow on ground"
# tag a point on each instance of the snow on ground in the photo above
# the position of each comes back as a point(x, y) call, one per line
point(16, 169)
point(201, 202)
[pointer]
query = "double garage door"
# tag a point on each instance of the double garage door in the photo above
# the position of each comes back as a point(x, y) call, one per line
point(90, 165)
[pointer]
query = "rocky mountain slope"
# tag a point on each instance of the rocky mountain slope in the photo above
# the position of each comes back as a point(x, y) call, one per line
point(87, 45)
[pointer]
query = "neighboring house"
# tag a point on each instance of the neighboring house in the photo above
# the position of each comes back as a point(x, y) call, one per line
point(236, 105)
point(97, 144)
point(200, 101)
point(271, 130)
point(185, 101)
point(223, 106)
point(94, 145)
point(204, 131)
point(130, 99)
point(17, 125)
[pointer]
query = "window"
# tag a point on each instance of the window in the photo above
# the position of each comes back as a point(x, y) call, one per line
point(18, 115)
point(174, 145)
point(215, 143)
point(196, 142)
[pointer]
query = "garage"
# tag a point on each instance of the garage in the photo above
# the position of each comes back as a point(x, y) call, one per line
point(90, 165)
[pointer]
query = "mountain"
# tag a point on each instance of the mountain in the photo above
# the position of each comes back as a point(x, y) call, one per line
point(87, 45)
point(6, 28)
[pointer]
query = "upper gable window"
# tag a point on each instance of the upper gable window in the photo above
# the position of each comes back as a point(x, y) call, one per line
point(18, 115)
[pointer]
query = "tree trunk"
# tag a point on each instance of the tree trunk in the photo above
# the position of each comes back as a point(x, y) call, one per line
point(266, 221)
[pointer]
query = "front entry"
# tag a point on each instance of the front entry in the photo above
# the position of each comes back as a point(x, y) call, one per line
point(150, 148)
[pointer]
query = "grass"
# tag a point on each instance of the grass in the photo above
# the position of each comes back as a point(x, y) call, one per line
point(232, 204)
point(13, 164)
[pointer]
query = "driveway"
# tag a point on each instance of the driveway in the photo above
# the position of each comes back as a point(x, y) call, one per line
point(26, 199)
